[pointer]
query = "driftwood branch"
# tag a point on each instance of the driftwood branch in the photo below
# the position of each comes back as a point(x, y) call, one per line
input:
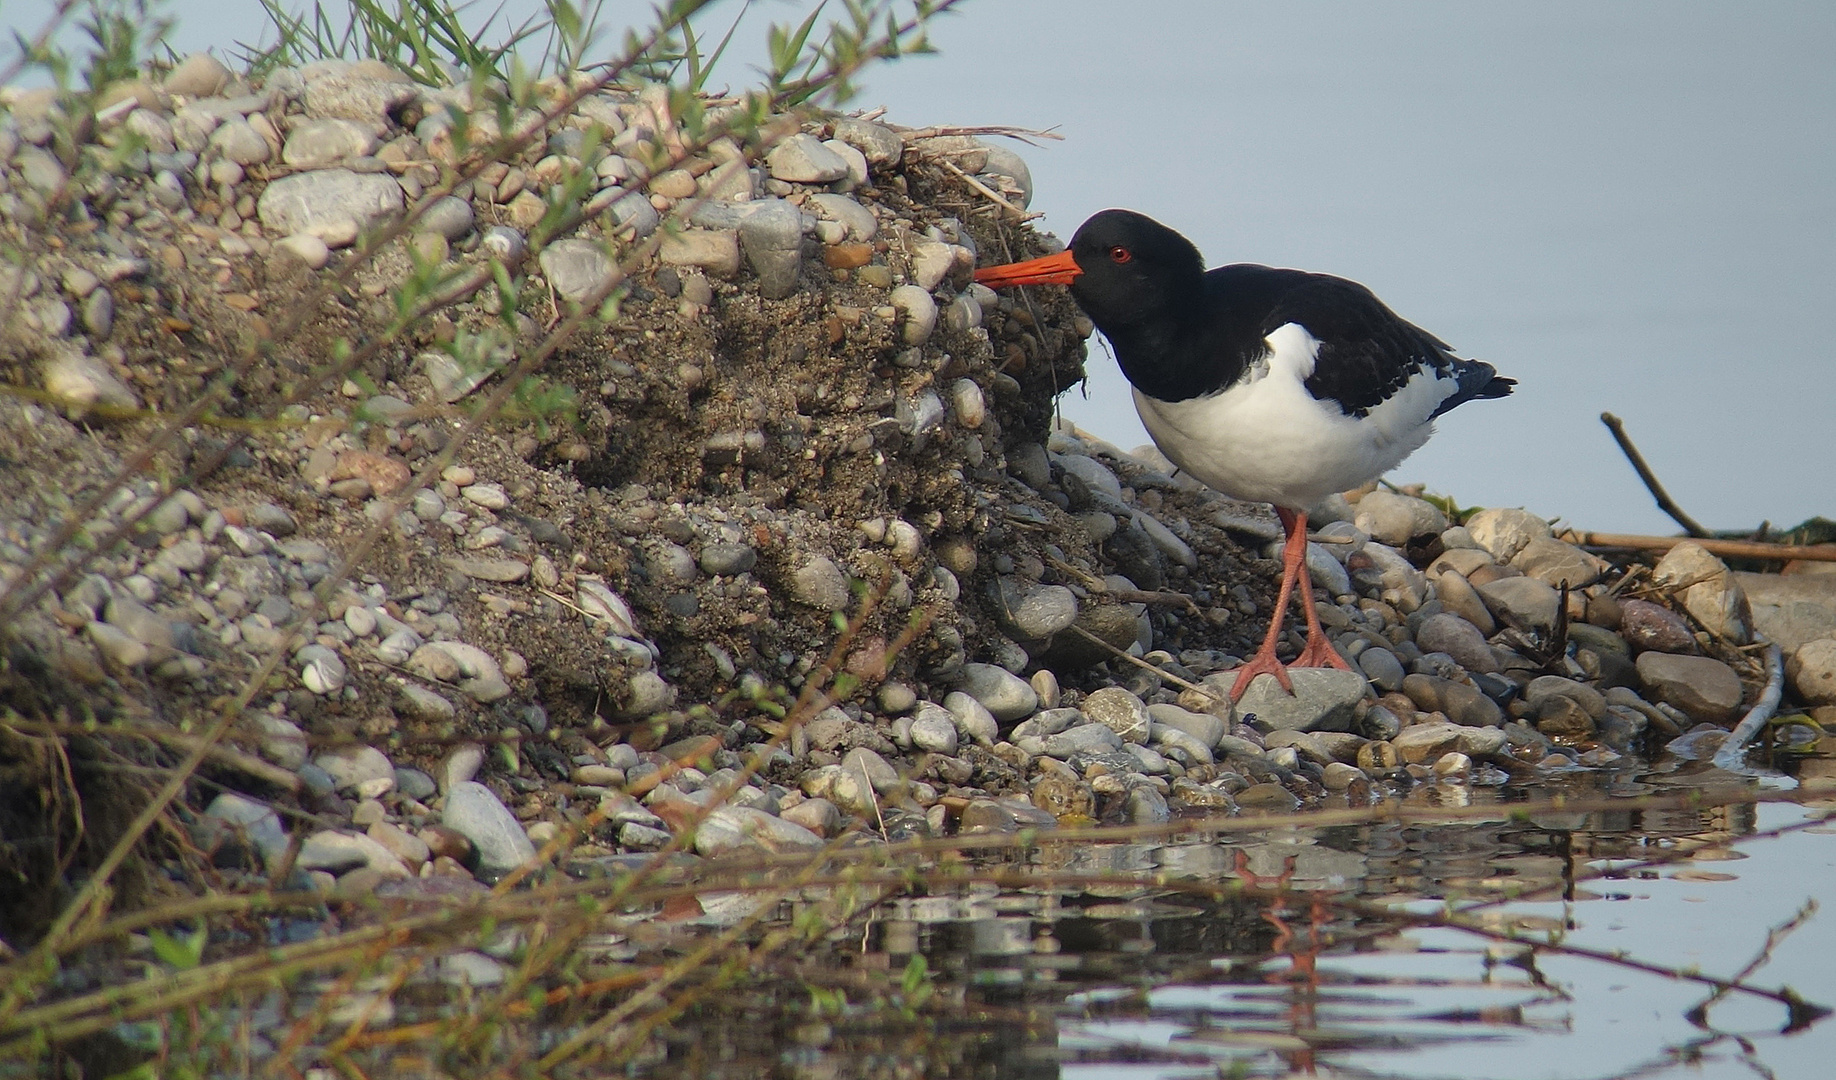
point(1665, 502)
point(1739, 549)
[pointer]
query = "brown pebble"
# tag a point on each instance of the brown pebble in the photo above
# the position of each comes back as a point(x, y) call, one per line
point(847, 256)
point(443, 842)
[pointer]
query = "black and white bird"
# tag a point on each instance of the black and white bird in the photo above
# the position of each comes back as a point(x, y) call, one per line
point(1270, 385)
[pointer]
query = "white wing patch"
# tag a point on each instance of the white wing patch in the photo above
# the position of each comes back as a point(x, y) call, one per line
point(1267, 438)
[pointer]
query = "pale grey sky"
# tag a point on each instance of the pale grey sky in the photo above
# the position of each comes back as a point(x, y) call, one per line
point(1628, 206)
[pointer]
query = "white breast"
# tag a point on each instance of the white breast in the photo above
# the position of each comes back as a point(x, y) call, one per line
point(1266, 439)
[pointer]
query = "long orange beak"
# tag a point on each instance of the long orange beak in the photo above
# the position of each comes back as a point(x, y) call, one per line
point(1059, 269)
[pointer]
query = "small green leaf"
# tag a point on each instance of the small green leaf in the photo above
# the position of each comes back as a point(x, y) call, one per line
point(179, 951)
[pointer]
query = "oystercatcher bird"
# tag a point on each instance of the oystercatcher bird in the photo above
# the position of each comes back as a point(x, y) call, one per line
point(1269, 385)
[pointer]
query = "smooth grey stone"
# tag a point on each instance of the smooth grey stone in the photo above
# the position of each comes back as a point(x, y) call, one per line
point(327, 199)
point(973, 720)
point(238, 141)
point(578, 269)
point(1092, 738)
point(1382, 668)
point(322, 671)
point(1172, 740)
point(920, 309)
point(1704, 688)
point(1812, 671)
point(1204, 727)
point(315, 144)
point(934, 730)
point(1046, 722)
point(1323, 700)
point(879, 144)
point(1147, 806)
point(1004, 694)
point(477, 814)
point(741, 828)
point(1523, 603)
point(1546, 686)
point(139, 622)
point(1003, 161)
point(1095, 475)
point(1791, 610)
point(1553, 562)
point(506, 244)
point(1459, 639)
point(859, 221)
point(919, 414)
point(338, 853)
point(803, 159)
point(1505, 531)
point(257, 821)
point(449, 216)
point(771, 234)
point(1395, 519)
point(1120, 711)
point(350, 766)
point(272, 519)
point(415, 784)
point(724, 560)
point(820, 584)
point(1031, 612)
point(99, 314)
point(423, 704)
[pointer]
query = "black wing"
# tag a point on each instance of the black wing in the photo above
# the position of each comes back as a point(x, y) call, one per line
point(1367, 352)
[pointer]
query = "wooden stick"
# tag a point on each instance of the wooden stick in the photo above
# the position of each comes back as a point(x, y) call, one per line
point(1739, 549)
point(990, 193)
point(1665, 502)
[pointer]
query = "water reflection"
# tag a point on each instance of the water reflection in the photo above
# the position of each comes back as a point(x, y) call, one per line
point(1300, 971)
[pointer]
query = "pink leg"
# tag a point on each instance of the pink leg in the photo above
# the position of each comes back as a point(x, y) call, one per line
point(1318, 651)
point(1293, 564)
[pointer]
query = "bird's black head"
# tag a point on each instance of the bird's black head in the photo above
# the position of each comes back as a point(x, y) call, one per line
point(1134, 269)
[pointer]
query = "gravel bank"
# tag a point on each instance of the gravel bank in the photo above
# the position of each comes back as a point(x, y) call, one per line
point(596, 616)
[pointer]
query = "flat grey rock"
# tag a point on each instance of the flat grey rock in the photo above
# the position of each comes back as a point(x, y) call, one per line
point(475, 813)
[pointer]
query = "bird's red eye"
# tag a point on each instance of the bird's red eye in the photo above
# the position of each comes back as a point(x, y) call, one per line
point(1121, 254)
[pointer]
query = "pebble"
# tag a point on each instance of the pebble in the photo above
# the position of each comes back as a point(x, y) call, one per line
point(1505, 532)
point(804, 159)
point(934, 730)
point(476, 814)
point(920, 313)
point(1453, 635)
point(1556, 563)
point(1708, 591)
point(1324, 699)
point(1812, 671)
point(1120, 711)
point(1396, 519)
point(1459, 702)
point(1006, 696)
point(771, 236)
point(973, 720)
point(820, 584)
point(1034, 612)
point(1522, 602)
point(1704, 688)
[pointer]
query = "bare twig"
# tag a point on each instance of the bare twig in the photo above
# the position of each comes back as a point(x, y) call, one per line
point(1664, 501)
point(1739, 549)
point(1025, 135)
point(1145, 666)
point(1731, 754)
point(990, 193)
